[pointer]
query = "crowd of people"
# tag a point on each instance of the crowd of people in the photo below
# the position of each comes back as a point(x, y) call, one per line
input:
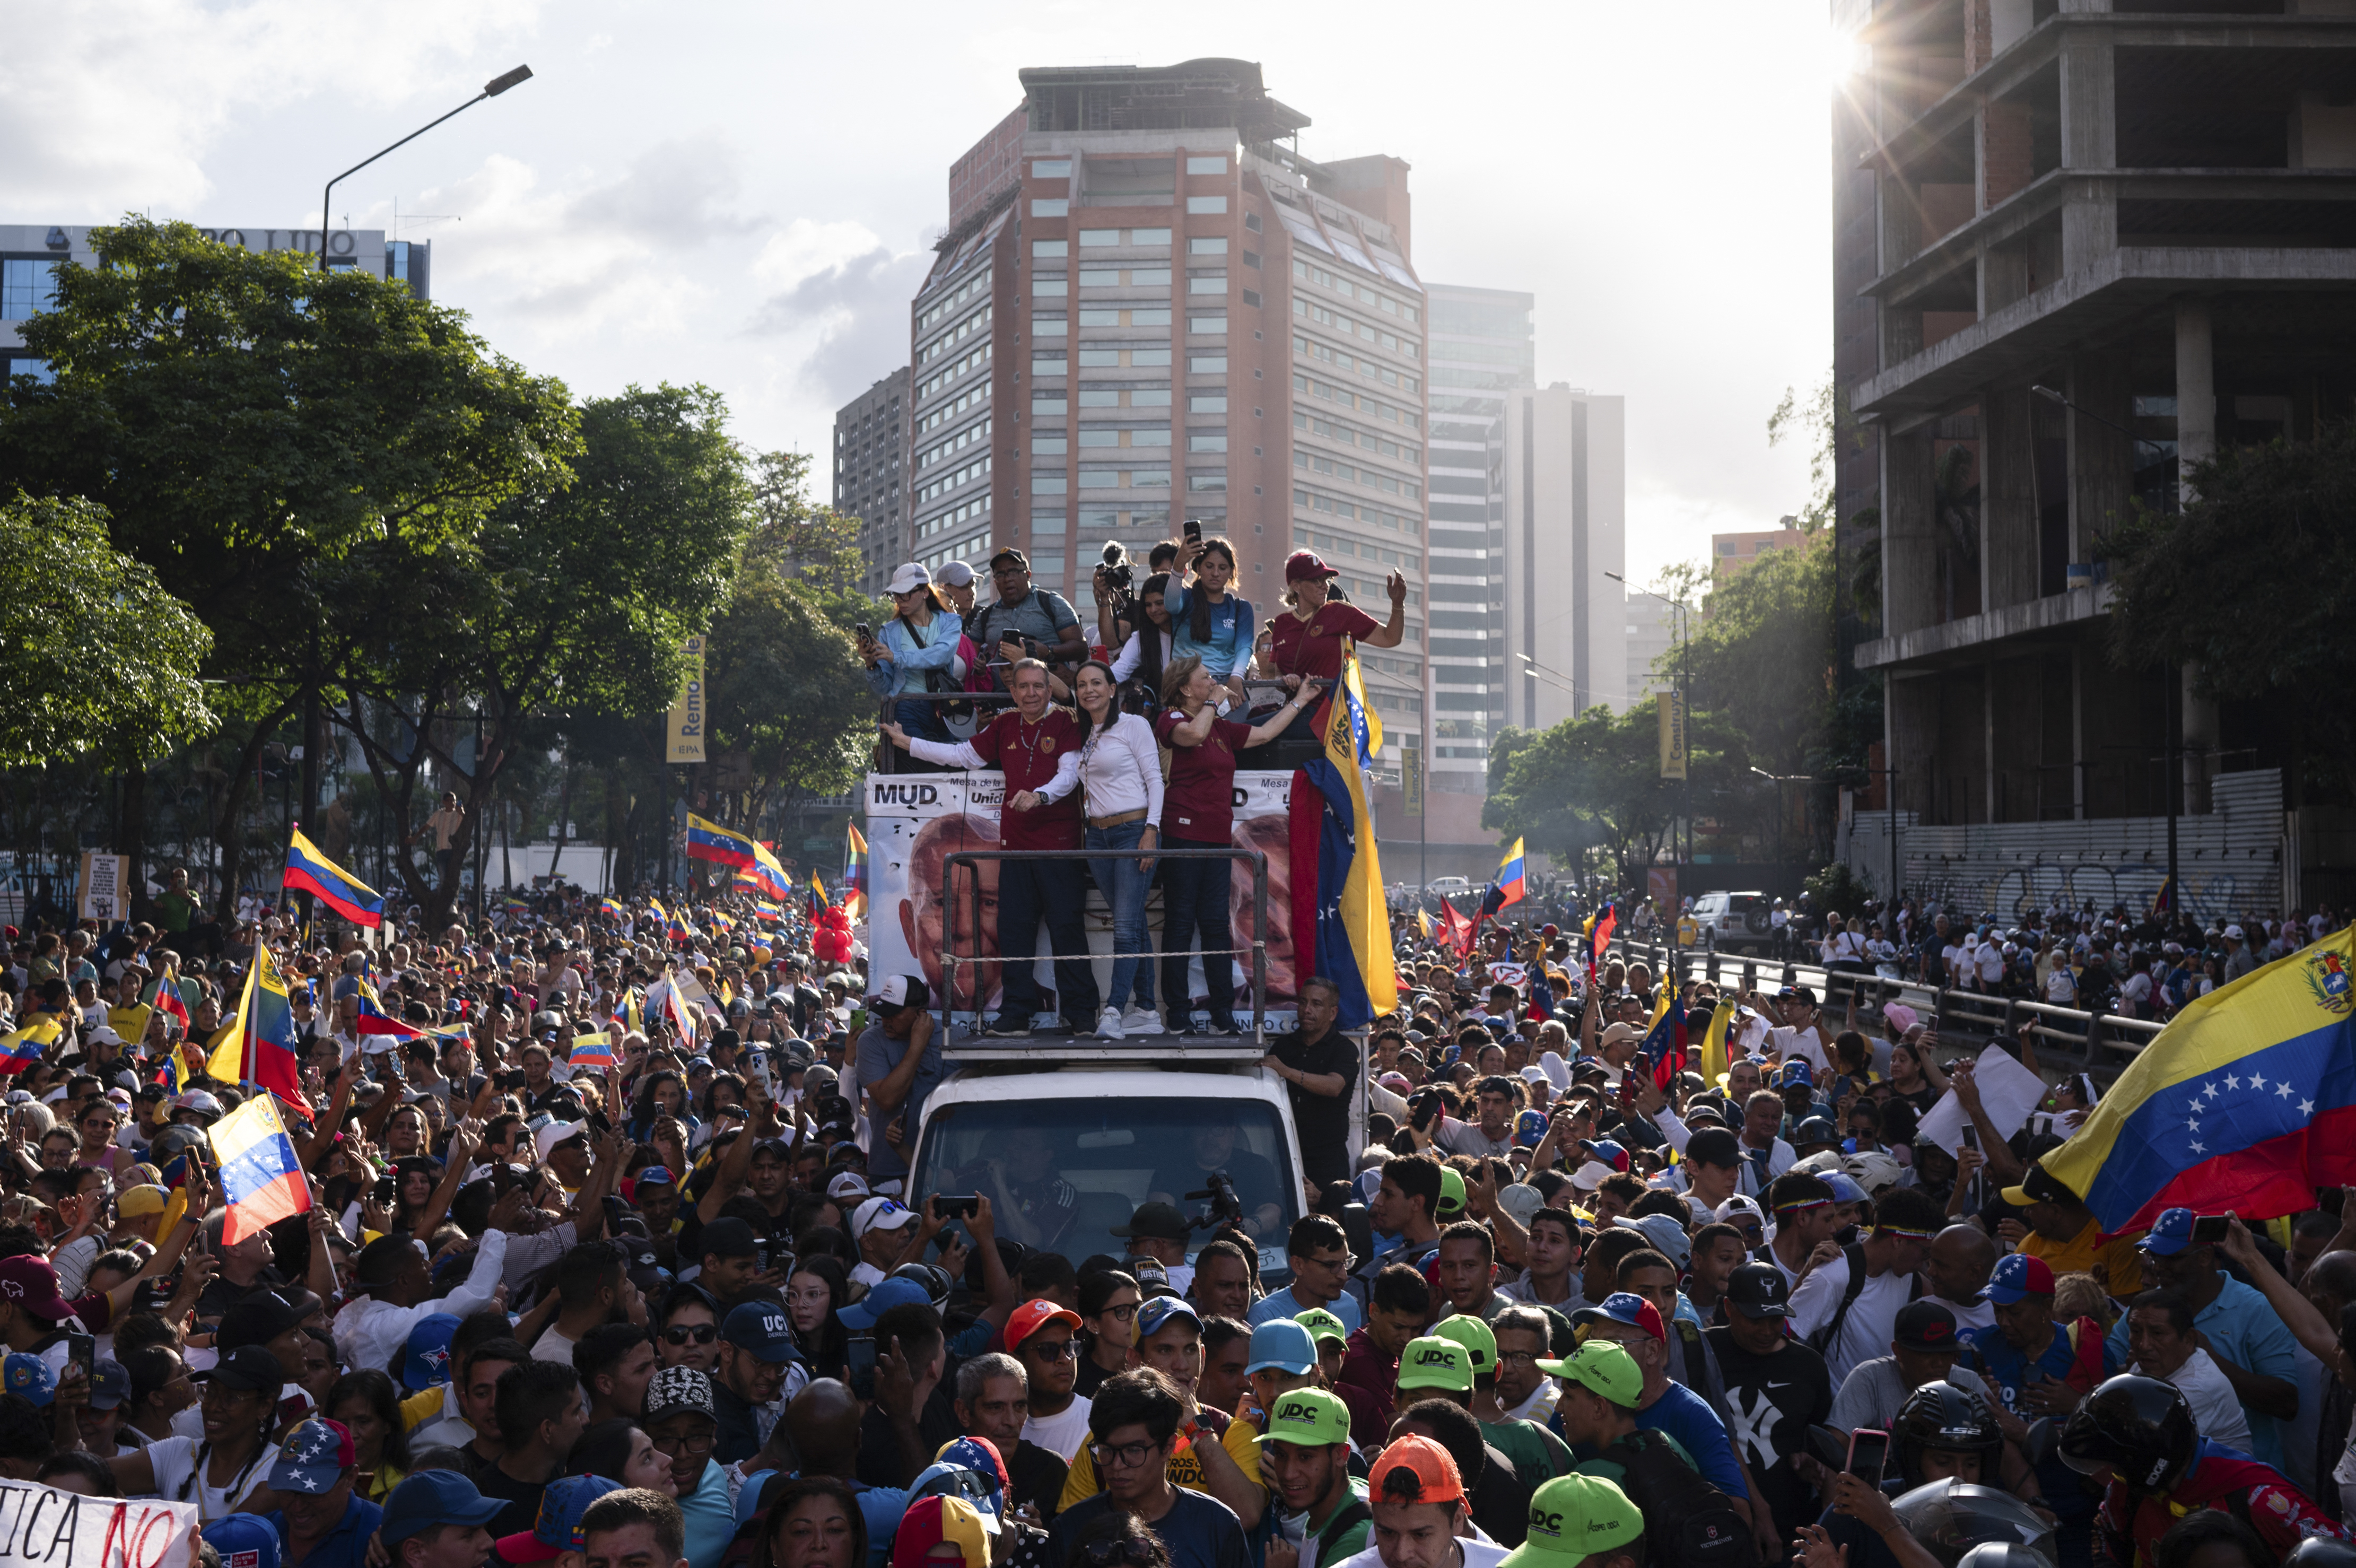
point(1559, 1307)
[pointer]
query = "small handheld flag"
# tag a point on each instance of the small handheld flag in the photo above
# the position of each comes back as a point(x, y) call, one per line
point(590, 1051)
point(261, 1182)
point(259, 1047)
point(854, 871)
point(308, 871)
point(373, 1019)
point(25, 1047)
point(723, 846)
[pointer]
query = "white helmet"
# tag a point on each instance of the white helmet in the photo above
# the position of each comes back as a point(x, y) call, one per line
point(1873, 1171)
point(1824, 1162)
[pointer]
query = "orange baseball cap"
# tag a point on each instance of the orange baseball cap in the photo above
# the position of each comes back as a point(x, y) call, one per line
point(1433, 1472)
point(1032, 1315)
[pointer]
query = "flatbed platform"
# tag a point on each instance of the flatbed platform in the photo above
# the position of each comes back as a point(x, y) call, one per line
point(1142, 1050)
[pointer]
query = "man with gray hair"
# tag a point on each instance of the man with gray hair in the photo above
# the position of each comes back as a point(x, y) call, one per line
point(993, 1399)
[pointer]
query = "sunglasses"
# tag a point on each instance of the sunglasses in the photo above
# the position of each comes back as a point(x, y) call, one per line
point(691, 1333)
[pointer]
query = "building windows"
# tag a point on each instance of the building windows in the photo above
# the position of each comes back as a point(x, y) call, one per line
point(28, 286)
point(1251, 297)
point(1050, 407)
point(1198, 165)
point(1206, 324)
point(1100, 359)
point(1251, 258)
point(1110, 315)
point(1206, 204)
point(1046, 483)
point(1206, 245)
point(1052, 325)
point(1049, 446)
point(1251, 222)
point(1206, 403)
point(1051, 168)
point(1099, 436)
point(1308, 272)
point(1050, 288)
point(1309, 499)
point(1364, 404)
point(1050, 250)
point(1050, 207)
point(1099, 238)
point(1207, 479)
point(1157, 357)
point(1206, 364)
point(1207, 281)
point(1055, 364)
point(1206, 441)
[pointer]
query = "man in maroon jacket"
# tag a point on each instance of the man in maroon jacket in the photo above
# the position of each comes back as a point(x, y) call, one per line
point(1038, 745)
point(1396, 1311)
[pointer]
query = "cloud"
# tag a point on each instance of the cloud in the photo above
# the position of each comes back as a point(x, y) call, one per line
point(844, 290)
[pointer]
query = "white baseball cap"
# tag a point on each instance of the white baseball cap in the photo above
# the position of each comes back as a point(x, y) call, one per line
point(849, 1184)
point(880, 1214)
point(956, 574)
point(911, 574)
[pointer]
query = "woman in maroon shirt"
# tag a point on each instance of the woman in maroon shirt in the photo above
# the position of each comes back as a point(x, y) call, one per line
point(1305, 636)
point(1198, 812)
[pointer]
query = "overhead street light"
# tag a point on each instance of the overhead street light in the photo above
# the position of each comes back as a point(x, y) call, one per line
point(491, 89)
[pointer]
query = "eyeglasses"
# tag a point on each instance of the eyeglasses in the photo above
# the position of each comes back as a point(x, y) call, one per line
point(1517, 1358)
point(1052, 1350)
point(1342, 1264)
point(1123, 1313)
point(1128, 1456)
point(677, 1443)
point(692, 1333)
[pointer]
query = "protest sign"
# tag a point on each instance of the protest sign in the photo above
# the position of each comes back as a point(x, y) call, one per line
point(41, 1527)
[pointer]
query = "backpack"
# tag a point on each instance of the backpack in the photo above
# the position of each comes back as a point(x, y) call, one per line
point(1687, 1522)
point(1821, 1341)
point(1353, 1514)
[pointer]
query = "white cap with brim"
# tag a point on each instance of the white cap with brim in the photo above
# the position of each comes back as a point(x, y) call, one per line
point(1591, 1176)
point(548, 1137)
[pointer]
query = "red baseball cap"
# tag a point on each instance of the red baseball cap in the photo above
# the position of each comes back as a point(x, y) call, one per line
point(1306, 566)
point(1032, 1315)
point(1436, 1478)
point(32, 1284)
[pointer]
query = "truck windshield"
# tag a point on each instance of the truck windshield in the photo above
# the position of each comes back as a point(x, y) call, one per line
point(1060, 1174)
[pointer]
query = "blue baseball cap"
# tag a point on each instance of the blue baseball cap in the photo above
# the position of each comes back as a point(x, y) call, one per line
point(862, 1314)
point(429, 1351)
point(947, 1478)
point(243, 1541)
point(2017, 1275)
point(1156, 1315)
point(982, 1458)
point(762, 1329)
point(110, 1384)
point(22, 1373)
point(1797, 1070)
point(557, 1528)
point(434, 1496)
point(313, 1458)
point(2170, 1235)
point(1627, 1307)
point(1529, 1129)
point(1283, 1346)
point(1605, 1152)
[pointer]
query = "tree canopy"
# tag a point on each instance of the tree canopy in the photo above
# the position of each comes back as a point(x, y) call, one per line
point(1591, 786)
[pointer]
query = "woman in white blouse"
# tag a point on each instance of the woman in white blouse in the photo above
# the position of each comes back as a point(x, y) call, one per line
point(1120, 773)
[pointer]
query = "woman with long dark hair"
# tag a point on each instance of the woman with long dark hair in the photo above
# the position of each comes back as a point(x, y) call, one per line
point(918, 642)
point(1208, 619)
point(218, 1471)
point(1146, 642)
point(1108, 1302)
point(818, 1289)
point(369, 1408)
point(1120, 773)
point(660, 1094)
point(1198, 812)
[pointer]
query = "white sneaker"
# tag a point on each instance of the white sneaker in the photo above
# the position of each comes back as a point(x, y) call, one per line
point(1142, 1021)
point(1108, 1025)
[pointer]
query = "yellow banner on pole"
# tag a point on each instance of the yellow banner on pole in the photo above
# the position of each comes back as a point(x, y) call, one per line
point(1411, 781)
point(1673, 734)
point(687, 711)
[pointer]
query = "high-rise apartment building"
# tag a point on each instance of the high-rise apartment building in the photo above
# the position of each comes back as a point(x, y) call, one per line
point(871, 474)
point(1730, 553)
point(1565, 547)
point(2069, 264)
point(1147, 309)
point(1482, 350)
point(1651, 631)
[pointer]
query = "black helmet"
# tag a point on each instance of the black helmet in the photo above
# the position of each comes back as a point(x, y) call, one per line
point(2321, 1552)
point(2142, 1428)
point(1950, 1518)
point(1943, 1416)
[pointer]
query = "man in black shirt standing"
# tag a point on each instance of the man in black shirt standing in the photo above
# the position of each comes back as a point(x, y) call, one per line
point(1319, 1063)
point(1775, 1389)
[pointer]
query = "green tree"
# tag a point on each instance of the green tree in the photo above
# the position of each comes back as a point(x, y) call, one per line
point(250, 423)
point(2252, 585)
point(1590, 787)
point(575, 599)
point(784, 689)
point(98, 658)
point(1764, 656)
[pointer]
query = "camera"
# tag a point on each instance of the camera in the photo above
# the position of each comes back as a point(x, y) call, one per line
point(1226, 1209)
point(1119, 574)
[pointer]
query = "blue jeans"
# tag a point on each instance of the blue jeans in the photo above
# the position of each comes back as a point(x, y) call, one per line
point(1124, 888)
point(920, 719)
point(1028, 891)
point(1195, 901)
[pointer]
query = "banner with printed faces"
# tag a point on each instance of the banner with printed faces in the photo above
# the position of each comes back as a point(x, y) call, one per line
point(916, 821)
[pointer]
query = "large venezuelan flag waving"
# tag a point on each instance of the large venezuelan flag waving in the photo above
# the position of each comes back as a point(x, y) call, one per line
point(1332, 829)
point(709, 841)
point(308, 871)
point(259, 1046)
point(261, 1180)
point(2246, 1102)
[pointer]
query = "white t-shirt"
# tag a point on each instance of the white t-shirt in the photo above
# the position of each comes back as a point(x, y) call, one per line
point(1060, 1434)
point(553, 1346)
point(1872, 1323)
point(2060, 985)
point(1981, 1313)
point(1807, 1046)
point(2216, 1409)
point(1477, 1555)
point(174, 1459)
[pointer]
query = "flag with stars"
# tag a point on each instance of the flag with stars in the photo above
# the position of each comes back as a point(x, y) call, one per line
point(2246, 1102)
point(1342, 909)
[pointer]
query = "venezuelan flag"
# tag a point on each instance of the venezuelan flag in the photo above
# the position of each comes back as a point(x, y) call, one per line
point(720, 920)
point(259, 1046)
point(709, 841)
point(1665, 1039)
point(610, 907)
point(768, 914)
point(23, 1049)
point(590, 1051)
point(818, 901)
point(261, 1180)
point(1507, 888)
point(308, 871)
point(374, 1020)
point(1423, 923)
point(1717, 1058)
point(1599, 937)
point(1341, 912)
point(2245, 1102)
point(165, 994)
point(854, 871)
point(772, 873)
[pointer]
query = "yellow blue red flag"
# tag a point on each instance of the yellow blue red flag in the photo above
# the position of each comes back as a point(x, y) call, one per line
point(262, 1181)
point(2246, 1102)
point(709, 841)
point(1341, 924)
point(259, 1046)
point(308, 871)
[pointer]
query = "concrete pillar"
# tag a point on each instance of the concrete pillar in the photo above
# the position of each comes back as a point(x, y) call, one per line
point(2101, 458)
point(2196, 392)
point(2007, 500)
point(1910, 562)
point(1911, 720)
point(2201, 733)
point(2090, 221)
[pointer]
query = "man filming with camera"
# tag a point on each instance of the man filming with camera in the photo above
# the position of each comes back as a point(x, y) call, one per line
point(1213, 1150)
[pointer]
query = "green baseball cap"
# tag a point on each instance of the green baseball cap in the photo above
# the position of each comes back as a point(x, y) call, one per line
point(1432, 1362)
point(1322, 1326)
point(1309, 1417)
point(1480, 1343)
point(1572, 1518)
point(1451, 1194)
point(1606, 1367)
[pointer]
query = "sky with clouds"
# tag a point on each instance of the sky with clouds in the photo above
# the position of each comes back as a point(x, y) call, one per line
point(744, 195)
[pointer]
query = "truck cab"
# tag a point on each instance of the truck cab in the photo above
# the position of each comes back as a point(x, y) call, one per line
point(1079, 1132)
